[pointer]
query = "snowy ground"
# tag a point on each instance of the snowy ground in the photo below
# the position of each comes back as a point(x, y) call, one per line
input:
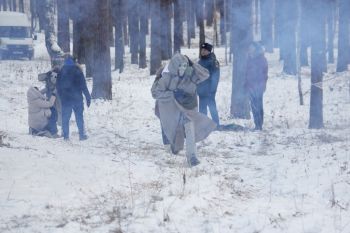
point(285, 179)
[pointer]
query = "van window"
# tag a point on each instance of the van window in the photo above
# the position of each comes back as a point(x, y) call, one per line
point(15, 32)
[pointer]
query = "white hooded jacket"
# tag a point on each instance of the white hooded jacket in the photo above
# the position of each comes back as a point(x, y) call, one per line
point(38, 108)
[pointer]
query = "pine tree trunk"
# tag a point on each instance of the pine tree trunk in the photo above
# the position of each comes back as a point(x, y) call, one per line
point(209, 7)
point(118, 15)
point(266, 24)
point(63, 26)
point(155, 37)
point(50, 35)
point(304, 29)
point(256, 16)
point(125, 24)
point(134, 30)
point(223, 6)
point(242, 35)
point(166, 43)
point(318, 35)
point(102, 80)
point(14, 5)
point(178, 28)
point(33, 13)
point(190, 24)
point(21, 6)
point(78, 42)
point(330, 30)
point(40, 11)
point(142, 35)
point(88, 37)
point(277, 24)
point(200, 22)
point(4, 5)
point(343, 37)
point(287, 36)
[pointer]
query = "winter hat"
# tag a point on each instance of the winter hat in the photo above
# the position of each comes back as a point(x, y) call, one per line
point(207, 46)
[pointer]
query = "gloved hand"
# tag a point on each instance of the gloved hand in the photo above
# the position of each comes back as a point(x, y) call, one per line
point(88, 102)
point(179, 93)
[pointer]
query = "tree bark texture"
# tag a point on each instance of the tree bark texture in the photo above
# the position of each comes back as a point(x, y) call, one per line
point(318, 50)
point(242, 35)
point(156, 55)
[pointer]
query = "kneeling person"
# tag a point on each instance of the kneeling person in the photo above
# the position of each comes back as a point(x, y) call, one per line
point(41, 118)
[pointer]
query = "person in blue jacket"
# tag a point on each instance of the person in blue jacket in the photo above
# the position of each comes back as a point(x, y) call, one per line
point(207, 90)
point(71, 86)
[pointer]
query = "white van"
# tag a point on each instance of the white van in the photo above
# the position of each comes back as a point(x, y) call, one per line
point(15, 35)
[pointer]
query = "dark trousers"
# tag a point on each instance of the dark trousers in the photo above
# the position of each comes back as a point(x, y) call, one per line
point(209, 101)
point(52, 124)
point(256, 103)
point(67, 109)
point(164, 137)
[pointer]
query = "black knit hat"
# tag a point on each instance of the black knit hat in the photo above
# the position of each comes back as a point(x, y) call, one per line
point(207, 46)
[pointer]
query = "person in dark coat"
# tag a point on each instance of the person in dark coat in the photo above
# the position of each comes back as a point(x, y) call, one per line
point(255, 81)
point(207, 90)
point(71, 86)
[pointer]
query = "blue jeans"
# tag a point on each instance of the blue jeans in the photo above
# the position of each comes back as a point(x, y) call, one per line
point(256, 103)
point(209, 101)
point(67, 108)
point(52, 124)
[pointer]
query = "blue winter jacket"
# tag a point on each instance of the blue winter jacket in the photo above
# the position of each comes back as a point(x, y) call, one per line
point(209, 86)
point(71, 84)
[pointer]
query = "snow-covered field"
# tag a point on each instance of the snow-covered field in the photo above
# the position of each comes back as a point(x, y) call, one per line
point(286, 178)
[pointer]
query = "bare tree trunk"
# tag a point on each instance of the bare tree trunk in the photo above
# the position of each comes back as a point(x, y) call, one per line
point(63, 26)
point(155, 37)
point(14, 5)
point(256, 15)
point(266, 20)
point(330, 29)
point(52, 47)
point(77, 13)
point(142, 36)
point(300, 91)
point(189, 18)
point(222, 4)
point(318, 45)
point(102, 79)
point(287, 36)
point(178, 28)
point(21, 6)
point(209, 7)
point(215, 28)
point(304, 29)
point(125, 24)
point(118, 15)
point(134, 30)
point(200, 22)
point(40, 9)
point(166, 43)
point(242, 35)
point(343, 37)
point(33, 12)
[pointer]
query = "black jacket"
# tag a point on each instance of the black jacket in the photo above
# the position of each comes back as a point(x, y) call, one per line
point(71, 84)
point(209, 86)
